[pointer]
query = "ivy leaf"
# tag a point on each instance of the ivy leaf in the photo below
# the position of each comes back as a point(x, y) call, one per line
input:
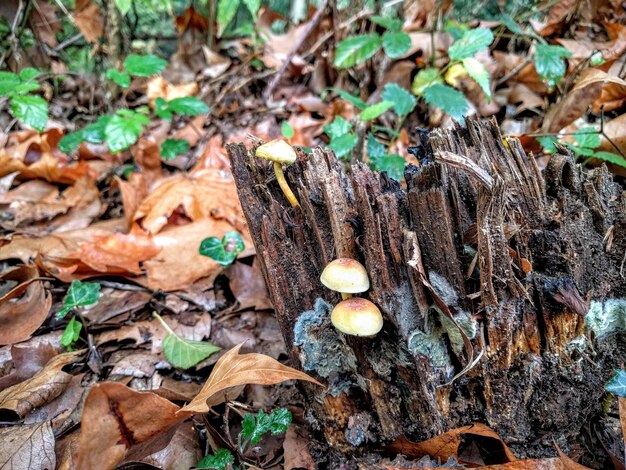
point(472, 41)
point(611, 158)
point(226, 10)
point(31, 110)
point(393, 24)
point(343, 144)
point(189, 105)
point(8, 82)
point(424, 79)
point(252, 6)
point(337, 128)
point(223, 251)
point(124, 129)
point(123, 6)
point(80, 294)
point(617, 385)
point(393, 164)
point(587, 137)
point(144, 65)
point(173, 147)
point(374, 148)
point(396, 43)
point(355, 50)
point(219, 460)
point(479, 74)
point(372, 112)
point(353, 100)
point(447, 98)
point(71, 333)
point(549, 63)
point(403, 101)
point(121, 78)
point(286, 130)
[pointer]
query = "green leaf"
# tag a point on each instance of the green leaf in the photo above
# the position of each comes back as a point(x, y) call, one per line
point(71, 333)
point(548, 143)
point(224, 251)
point(8, 82)
point(611, 158)
point(144, 65)
point(280, 419)
point(124, 6)
point(343, 144)
point(219, 460)
point(549, 62)
point(186, 353)
point(578, 151)
point(447, 98)
point(189, 105)
point(121, 78)
point(587, 137)
point(393, 24)
point(354, 100)
point(31, 110)
point(424, 79)
point(479, 74)
point(392, 164)
point(337, 128)
point(617, 385)
point(472, 41)
point(355, 50)
point(403, 101)
point(29, 73)
point(226, 10)
point(173, 147)
point(24, 88)
point(71, 141)
point(374, 148)
point(124, 129)
point(253, 427)
point(252, 6)
point(372, 112)
point(95, 133)
point(286, 130)
point(162, 110)
point(396, 43)
point(80, 294)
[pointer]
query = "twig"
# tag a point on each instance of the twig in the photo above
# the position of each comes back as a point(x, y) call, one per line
point(515, 71)
point(267, 94)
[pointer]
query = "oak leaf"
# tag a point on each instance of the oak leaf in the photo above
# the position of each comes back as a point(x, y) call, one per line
point(27, 446)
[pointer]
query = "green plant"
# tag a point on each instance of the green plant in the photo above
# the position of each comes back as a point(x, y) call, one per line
point(136, 66)
point(585, 145)
point(227, 11)
point(80, 294)
point(224, 251)
point(28, 108)
point(253, 428)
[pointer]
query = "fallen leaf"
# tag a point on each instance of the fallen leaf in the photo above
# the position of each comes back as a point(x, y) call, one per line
point(557, 17)
point(20, 399)
point(19, 318)
point(296, 448)
point(27, 361)
point(248, 286)
point(44, 22)
point(216, 64)
point(234, 369)
point(117, 418)
point(615, 130)
point(158, 87)
point(89, 20)
point(28, 446)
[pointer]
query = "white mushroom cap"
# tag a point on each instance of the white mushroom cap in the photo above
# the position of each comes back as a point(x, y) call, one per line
point(345, 275)
point(277, 151)
point(357, 316)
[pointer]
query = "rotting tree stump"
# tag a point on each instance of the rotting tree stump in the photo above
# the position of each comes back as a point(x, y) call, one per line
point(483, 266)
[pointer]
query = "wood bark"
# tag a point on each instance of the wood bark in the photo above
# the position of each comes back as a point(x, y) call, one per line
point(483, 266)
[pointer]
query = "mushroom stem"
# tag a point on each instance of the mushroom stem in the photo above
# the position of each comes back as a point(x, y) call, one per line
point(282, 182)
point(345, 296)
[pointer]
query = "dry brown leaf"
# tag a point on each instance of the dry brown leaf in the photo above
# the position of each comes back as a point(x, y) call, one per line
point(615, 130)
point(213, 156)
point(43, 387)
point(27, 360)
point(296, 447)
point(19, 318)
point(158, 87)
point(44, 22)
point(525, 98)
point(234, 369)
point(248, 286)
point(27, 447)
point(555, 463)
point(507, 62)
point(89, 20)
point(216, 64)
point(117, 418)
point(557, 17)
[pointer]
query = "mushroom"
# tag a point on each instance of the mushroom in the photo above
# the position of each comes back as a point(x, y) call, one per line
point(357, 316)
point(278, 151)
point(345, 275)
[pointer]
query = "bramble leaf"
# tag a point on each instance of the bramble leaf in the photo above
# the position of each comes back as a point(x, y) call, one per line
point(355, 50)
point(549, 63)
point(447, 98)
point(123, 129)
point(173, 147)
point(375, 110)
point(226, 10)
point(479, 74)
point(396, 43)
point(31, 110)
point(119, 77)
point(189, 105)
point(472, 41)
point(403, 101)
point(286, 130)
point(144, 65)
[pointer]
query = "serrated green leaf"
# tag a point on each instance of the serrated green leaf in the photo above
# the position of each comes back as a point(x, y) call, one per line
point(189, 105)
point(226, 10)
point(124, 6)
point(80, 294)
point(95, 133)
point(224, 251)
point(252, 6)
point(587, 137)
point(173, 147)
point(393, 164)
point(186, 353)
point(424, 79)
point(71, 141)
point(123, 129)
point(447, 98)
point(479, 74)
point(617, 385)
point(8, 82)
point(337, 128)
point(548, 143)
point(578, 151)
point(162, 110)
point(24, 88)
point(280, 419)
point(286, 130)
point(403, 101)
point(144, 65)
point(343, 144)
point(396, 43)
point(248, 425)
point(372, 112)
point(71, 333)
point(355, 50)
point(354, 100)
point(611, 158)
point(387, 23)
point(374, 148)
point(29, 73)
point(549, 62)
point(31, 110)
point(456, 29)
point(472, 41)
point(121, 78)
point(219, 460)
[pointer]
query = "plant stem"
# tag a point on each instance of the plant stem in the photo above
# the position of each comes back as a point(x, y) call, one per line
point(282, 182)
point(165, 325)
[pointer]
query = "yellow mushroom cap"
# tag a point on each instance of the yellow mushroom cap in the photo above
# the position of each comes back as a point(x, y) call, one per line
point(357, 316)
point(345, 275)
point(277, 151)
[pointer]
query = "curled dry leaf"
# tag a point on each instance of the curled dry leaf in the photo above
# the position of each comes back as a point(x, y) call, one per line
point(234, 369)
point(20, 317)
point(43, 387)
point(28, 446)
point(116, 419)
point(28, 359)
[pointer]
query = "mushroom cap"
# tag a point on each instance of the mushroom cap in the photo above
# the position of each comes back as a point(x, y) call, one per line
point(345, 275)
point(357, 316)
point(277, 151)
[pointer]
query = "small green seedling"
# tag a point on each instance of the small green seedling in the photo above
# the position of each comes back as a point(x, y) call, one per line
point(80, 294)
point(224, 251)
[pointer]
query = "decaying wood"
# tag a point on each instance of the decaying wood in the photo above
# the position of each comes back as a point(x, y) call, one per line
point(478, 234)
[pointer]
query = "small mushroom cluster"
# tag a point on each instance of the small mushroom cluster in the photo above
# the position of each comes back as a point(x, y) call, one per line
point(353, 315)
